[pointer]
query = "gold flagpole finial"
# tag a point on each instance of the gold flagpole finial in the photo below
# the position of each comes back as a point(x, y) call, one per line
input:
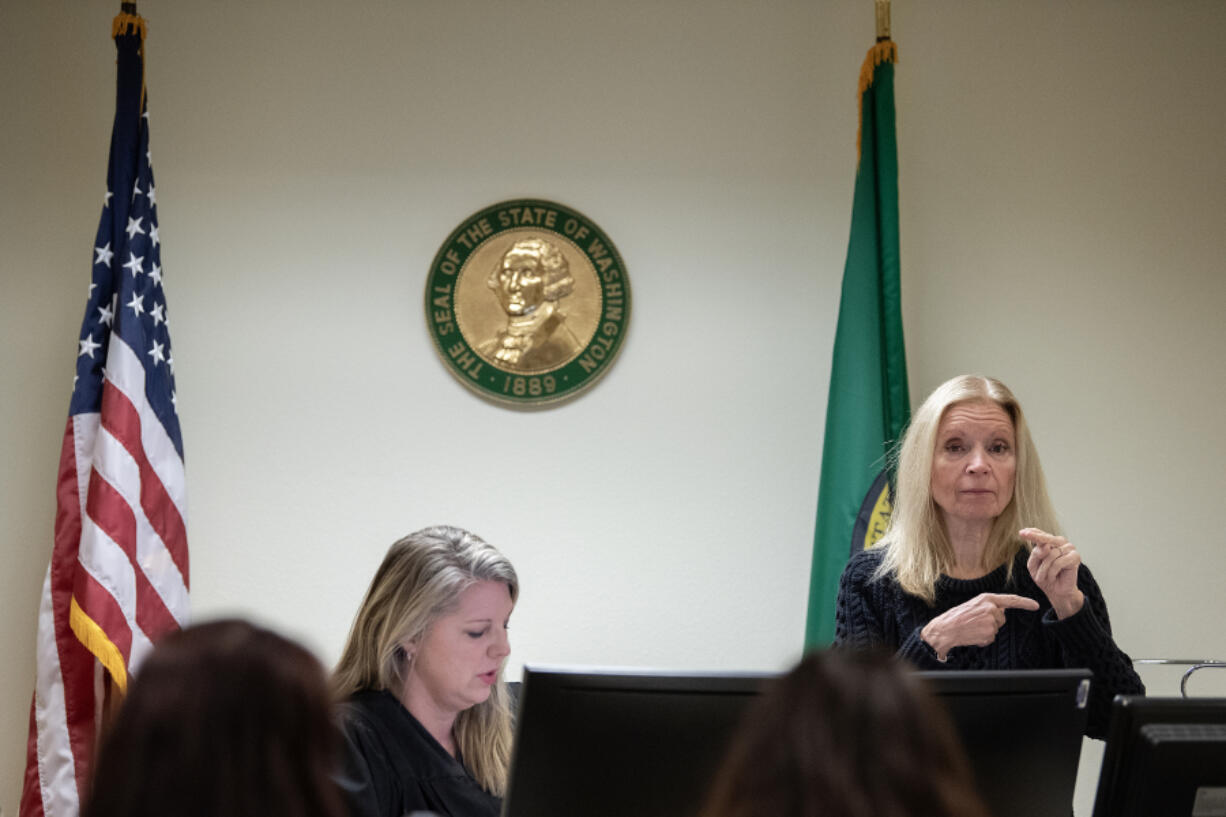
point(883, 19)
point(128, 22)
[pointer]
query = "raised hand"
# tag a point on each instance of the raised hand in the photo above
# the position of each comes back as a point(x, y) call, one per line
point(1053, 565)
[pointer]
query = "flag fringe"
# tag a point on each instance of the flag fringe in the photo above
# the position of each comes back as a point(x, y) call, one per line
point(882, 51)
point(95, 640)
point(125, 23)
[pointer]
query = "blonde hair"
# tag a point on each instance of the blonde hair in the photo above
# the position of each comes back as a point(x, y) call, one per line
point(917, 544)
point(421, 578)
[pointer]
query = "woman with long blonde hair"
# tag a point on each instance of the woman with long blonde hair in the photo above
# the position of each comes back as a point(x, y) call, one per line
point(424, 709)
point(971, 573)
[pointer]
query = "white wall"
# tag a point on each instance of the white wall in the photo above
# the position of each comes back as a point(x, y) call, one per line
point(1062, 204)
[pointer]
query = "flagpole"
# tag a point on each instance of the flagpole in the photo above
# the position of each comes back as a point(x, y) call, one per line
point(883, 19)
point(868, 405)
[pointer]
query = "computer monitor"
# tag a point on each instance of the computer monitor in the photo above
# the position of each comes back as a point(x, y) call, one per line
point(1022, 732)
point(1165, 757)
point(610, 743)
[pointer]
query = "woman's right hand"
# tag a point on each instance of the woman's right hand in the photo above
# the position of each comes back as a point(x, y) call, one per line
point(972, 623)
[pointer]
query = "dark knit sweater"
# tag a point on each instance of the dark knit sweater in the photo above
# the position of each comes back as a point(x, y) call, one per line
point(880, 614)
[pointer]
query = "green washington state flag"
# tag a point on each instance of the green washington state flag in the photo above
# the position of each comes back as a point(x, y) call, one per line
point(868, 406)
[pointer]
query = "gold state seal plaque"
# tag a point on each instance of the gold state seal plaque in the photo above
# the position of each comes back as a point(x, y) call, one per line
point(528, 302)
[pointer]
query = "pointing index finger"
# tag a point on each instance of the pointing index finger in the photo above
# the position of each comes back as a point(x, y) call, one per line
point(1013, 601)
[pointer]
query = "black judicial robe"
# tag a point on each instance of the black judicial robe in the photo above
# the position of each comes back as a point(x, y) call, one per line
point(393, 766)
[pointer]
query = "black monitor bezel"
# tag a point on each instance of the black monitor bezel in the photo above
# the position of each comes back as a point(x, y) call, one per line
point(542, 680)
point(546, 679)
point(1001, 776)
point(1129, 715)
point(1004, 682)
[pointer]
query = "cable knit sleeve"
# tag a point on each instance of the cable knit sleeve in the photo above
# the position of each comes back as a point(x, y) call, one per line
point(1085, 640)
point(870, 614)
point(857, 618)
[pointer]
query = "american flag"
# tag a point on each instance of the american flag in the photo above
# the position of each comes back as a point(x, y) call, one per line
point(118, 576)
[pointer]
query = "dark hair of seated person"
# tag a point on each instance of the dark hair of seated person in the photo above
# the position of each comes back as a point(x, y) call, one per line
point(845, 733)
point(223, 718)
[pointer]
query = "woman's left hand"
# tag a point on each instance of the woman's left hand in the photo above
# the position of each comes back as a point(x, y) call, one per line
point(1053, 565)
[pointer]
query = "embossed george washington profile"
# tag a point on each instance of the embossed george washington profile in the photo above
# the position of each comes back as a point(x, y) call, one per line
point(528, 302)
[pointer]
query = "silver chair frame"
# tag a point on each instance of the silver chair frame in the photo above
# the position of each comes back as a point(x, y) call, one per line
point(1193, 665)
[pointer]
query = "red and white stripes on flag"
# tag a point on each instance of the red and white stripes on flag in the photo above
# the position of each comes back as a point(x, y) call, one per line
point(118, 576)
point(132, 561)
